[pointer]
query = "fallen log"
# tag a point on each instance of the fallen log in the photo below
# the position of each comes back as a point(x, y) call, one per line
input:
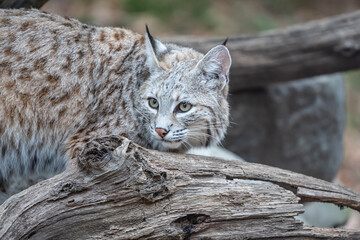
point(119, 190)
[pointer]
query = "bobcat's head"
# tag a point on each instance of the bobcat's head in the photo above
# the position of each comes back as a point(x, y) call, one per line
point(184, 99)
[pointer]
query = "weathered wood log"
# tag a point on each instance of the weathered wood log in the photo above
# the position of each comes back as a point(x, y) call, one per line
point(22, 3)
point(118, 190)
point(315, 48)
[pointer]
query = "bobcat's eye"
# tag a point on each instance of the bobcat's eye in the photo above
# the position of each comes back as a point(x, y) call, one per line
point(153, 103)
point(184, 106)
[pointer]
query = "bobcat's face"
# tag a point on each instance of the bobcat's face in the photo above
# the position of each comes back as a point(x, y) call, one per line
point(182, 112)
point(184, 99)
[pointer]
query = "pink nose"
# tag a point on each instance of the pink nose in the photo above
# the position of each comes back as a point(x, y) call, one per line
point(161, 132)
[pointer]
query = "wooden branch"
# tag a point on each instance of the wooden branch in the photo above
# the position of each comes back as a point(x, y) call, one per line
point(118, 190)
point(22, 3)
point(306, 50)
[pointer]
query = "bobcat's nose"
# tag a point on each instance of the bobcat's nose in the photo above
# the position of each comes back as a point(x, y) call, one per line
point(161, 132)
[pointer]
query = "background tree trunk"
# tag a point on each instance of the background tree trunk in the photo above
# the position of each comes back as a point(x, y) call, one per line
point(315, 48)
point(116, 189)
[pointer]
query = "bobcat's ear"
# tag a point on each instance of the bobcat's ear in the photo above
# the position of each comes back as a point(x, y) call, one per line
point(154, 50)
point(215, 65)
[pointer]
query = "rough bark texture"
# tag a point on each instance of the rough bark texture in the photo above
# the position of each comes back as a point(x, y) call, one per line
point(118, 190)
point(306, 50)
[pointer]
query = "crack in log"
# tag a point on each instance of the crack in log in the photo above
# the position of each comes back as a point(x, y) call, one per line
point(156, 186)
point(191, 223)
point(310, 194)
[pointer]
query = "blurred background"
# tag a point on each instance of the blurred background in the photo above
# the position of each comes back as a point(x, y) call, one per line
point(228, 18)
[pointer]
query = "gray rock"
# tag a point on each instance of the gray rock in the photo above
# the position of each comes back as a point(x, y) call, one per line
point(324, 215)
point(296, 125)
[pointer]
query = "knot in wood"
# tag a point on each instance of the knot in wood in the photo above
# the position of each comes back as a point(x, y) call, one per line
point(152, 184)
point(64, 189)
point(348, 49)
point(191, 223)
point(97, 153)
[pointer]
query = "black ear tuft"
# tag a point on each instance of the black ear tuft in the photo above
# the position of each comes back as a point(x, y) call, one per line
point(152, 40)
point(224, 43)
point(154, 49)
point(147, 29)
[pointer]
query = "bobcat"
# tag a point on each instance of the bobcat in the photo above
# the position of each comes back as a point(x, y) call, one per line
point(63, 82)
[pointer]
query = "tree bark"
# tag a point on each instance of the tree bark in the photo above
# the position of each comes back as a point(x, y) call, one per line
point(301, 51)
point(118, 190)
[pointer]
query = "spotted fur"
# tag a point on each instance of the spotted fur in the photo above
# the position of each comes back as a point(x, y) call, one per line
point(63, 82)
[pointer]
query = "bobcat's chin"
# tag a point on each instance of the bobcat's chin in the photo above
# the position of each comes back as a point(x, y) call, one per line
point(168, 146)
point(171, 145)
